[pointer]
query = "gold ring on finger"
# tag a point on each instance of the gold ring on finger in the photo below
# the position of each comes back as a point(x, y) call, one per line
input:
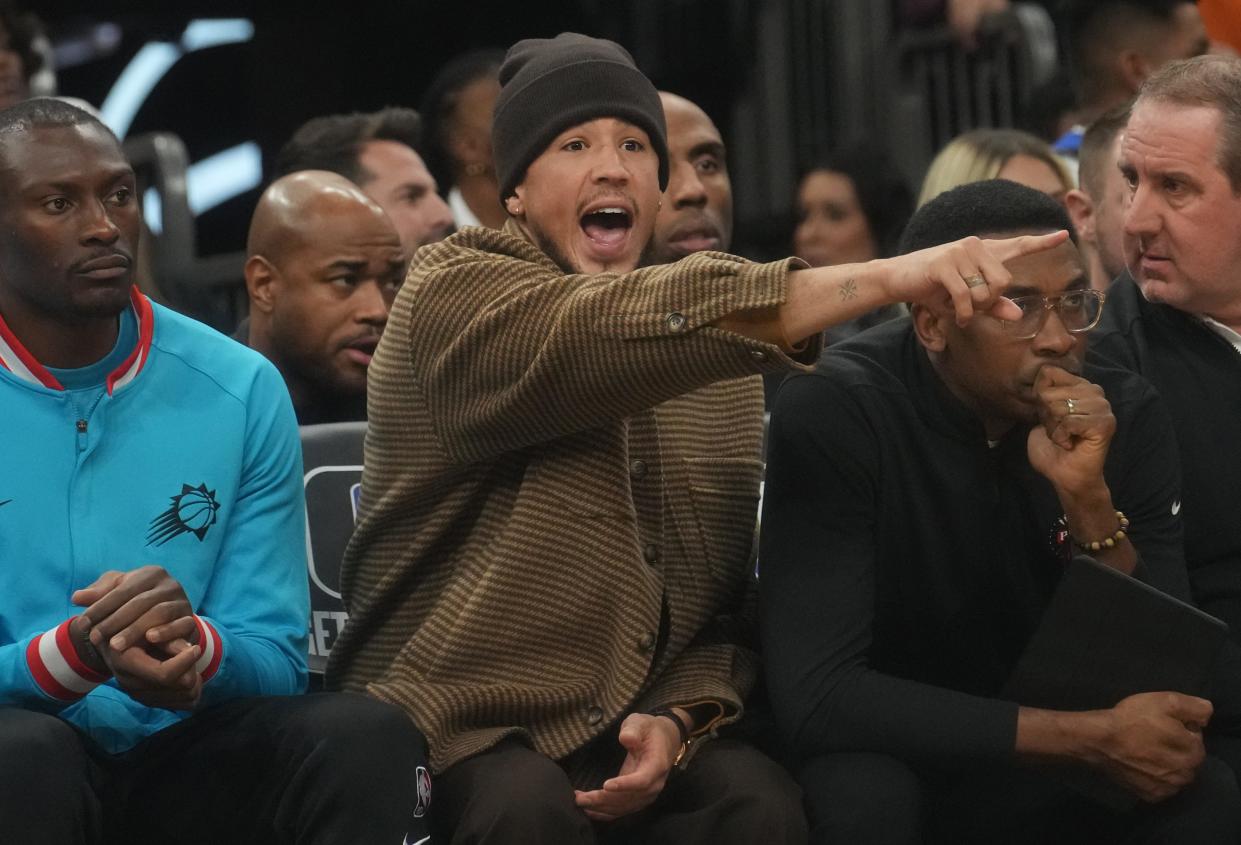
point(1072, 406)
point(975, 280)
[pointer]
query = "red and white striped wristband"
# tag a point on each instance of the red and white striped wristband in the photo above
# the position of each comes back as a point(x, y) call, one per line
point(60, 673)
point(56, 667)
point(212, 649)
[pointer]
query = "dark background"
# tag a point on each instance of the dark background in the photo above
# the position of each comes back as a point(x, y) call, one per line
point(312, 59)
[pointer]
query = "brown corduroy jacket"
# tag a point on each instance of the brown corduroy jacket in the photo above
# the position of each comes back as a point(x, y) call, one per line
point(559, 499)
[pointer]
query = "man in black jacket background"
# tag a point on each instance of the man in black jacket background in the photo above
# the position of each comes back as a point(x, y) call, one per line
point(1175, 319)
point(1178, 325)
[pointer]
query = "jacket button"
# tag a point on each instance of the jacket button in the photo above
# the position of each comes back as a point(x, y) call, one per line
point(650, 553)
point(676, 322)
point(637, 469)
point(646, 643)
point(594, 715)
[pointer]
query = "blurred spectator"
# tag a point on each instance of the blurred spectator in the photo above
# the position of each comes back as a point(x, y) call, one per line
point(376, 151)
point(458, 107)
point(996, 154)
point(1050, 108)
point(1098, 206)
point(324, 265)
point(696, 212)
point(1116, 44)
point(852, 208)
point(964, 17)
point(19, 60)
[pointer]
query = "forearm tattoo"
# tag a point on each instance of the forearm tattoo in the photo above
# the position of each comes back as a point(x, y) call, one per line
point(848, 290)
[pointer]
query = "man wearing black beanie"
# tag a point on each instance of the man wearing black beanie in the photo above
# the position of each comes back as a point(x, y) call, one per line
point(554, 544)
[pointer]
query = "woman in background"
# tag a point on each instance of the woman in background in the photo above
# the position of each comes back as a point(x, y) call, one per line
point(852, 207)
point(456, 112)
point(997, 154)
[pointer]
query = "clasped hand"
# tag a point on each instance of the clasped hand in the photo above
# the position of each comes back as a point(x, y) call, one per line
point(139, 627)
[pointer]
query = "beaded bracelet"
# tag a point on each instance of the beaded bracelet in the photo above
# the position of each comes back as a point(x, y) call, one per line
point(1106, 542)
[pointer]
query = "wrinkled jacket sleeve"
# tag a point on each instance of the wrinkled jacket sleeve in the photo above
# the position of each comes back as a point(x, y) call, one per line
point(511, 352)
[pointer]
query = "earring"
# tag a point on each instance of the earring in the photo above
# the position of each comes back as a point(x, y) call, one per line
point(514, 207)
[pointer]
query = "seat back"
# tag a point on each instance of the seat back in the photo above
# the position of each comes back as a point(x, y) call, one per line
point(332, 467)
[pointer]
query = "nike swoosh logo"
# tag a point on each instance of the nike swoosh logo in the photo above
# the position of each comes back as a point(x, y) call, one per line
point(5, 502)
point(421, 841)
point(1176, 508)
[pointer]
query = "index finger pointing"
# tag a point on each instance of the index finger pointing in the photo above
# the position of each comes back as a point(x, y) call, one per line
point(1006, 249)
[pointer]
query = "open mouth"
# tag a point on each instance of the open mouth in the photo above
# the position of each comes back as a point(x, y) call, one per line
point(607, 227)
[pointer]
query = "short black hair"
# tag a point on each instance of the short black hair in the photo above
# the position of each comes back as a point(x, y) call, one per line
point(439, 104)
point(882, 192)
point(334, 142)
point(984, 209)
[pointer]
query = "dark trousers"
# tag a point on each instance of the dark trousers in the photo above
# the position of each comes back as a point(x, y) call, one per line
point(729, 793)
point(313, 770)
point(879, 800)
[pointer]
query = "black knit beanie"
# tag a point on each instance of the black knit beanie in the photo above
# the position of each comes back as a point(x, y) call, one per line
point(550, 84)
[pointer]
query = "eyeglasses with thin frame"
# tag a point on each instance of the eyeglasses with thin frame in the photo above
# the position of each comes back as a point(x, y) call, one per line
point(1079, 311)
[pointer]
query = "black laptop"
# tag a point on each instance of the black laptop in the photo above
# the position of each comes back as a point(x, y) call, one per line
point(1106, 636)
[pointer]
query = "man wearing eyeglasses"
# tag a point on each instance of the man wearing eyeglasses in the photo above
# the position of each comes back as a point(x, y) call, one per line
point(924, 488)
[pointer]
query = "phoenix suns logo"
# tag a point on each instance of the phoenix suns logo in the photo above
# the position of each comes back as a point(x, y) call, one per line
point(193, 511)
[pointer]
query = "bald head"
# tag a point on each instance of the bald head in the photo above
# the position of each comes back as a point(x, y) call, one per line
point(295, 205)
point(676, 104)
point(324, 265)
point(697, 210)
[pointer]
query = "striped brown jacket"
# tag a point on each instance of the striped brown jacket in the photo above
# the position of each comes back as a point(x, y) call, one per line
point(559, 498)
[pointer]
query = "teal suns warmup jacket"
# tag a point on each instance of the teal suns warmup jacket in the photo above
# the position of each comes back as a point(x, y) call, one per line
point(179, 449)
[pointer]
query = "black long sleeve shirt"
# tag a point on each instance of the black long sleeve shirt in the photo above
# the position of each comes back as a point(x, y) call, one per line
point(905, 562)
